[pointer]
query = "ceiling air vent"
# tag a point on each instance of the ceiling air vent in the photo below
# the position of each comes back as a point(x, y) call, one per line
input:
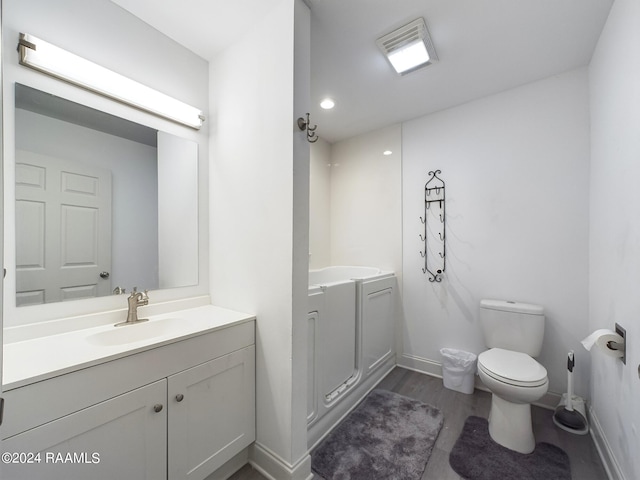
point(409, 47)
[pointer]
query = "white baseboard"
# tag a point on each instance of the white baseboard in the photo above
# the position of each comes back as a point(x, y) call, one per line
point(611, 466)
point(420, 365)
point(275, 467)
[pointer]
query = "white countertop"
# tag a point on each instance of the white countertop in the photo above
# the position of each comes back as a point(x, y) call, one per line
point(37, 359)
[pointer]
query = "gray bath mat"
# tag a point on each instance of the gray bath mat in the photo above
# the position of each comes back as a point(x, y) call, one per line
point(475, 456)
point(386, 437)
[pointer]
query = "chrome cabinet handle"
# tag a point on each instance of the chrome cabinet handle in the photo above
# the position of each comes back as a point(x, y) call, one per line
point(179, 397)
point(157, 407)
point(104, 274)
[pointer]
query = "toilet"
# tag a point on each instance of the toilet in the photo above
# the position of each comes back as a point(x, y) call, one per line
point(513, 332)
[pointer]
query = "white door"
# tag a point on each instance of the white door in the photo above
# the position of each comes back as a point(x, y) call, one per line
point(63, 229)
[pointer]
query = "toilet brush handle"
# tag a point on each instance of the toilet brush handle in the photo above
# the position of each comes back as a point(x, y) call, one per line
point(570, 364)
point(570, 361)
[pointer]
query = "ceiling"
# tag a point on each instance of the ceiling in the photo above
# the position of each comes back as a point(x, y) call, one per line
point(484, 47)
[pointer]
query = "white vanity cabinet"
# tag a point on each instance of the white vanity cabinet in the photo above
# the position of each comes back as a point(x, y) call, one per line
point(211, 414)
point(124, 437)
point(178, 411)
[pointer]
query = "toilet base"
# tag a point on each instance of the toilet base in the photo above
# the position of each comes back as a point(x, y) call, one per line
point(510, 425)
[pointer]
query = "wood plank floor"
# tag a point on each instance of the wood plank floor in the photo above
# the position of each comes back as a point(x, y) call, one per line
point(456, 407)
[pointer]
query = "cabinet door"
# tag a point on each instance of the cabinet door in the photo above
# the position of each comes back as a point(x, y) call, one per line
point(211, 414)
point(117, 439)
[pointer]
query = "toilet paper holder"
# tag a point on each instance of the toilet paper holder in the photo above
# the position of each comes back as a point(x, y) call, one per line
point(620, 346)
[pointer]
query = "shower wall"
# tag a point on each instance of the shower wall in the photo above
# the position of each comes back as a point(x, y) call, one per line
point(320, 205)
point(355, 201)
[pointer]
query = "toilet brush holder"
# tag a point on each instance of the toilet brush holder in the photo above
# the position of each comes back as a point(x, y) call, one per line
point(570, 414)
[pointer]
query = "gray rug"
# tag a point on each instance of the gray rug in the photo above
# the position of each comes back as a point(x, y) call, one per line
point(475, 456)
point(387, 437)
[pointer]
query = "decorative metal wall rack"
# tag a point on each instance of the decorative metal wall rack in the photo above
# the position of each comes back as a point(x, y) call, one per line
point(434, 222)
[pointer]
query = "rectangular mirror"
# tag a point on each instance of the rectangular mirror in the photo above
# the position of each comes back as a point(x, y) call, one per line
point(102, 203)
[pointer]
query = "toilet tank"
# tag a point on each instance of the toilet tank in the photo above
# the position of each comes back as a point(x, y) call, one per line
point(512, 326)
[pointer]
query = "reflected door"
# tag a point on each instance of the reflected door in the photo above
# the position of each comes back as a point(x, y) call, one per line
point(63, 229)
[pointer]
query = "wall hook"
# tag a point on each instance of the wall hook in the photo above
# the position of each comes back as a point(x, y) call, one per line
point(303, 125)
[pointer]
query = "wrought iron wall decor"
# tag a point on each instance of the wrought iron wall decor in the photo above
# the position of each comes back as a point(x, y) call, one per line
point(434, 222)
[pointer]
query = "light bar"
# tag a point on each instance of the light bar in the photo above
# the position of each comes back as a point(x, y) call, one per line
point(47, 58)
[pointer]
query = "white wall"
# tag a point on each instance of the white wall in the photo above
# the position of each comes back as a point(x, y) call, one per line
point(260, 201)
point(134, 49)
point(516, 168)
point(614, 76)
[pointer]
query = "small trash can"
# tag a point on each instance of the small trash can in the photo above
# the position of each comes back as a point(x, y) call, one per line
point(458, 369)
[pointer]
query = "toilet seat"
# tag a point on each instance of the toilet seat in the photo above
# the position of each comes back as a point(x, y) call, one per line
point(513, 368)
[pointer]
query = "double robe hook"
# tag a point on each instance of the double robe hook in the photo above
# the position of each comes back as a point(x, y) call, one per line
point(303, 125)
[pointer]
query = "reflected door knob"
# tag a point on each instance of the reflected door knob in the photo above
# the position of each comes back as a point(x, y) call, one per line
point(104, 274)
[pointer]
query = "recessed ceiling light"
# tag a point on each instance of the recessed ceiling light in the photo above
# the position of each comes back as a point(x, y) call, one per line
point(327, 104)
point(387, 152)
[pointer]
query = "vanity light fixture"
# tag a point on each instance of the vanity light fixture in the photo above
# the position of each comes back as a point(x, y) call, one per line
point(47, 58)
point(409, 47)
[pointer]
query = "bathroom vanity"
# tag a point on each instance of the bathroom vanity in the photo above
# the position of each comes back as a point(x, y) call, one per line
point(173, 398)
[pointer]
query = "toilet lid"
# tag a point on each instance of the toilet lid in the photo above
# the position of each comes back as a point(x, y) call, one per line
point(511, 367)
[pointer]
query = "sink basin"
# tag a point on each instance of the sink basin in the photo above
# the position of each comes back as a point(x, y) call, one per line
point(136, 332)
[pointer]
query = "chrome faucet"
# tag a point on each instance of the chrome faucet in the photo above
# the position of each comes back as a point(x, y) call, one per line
point(135, 300)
